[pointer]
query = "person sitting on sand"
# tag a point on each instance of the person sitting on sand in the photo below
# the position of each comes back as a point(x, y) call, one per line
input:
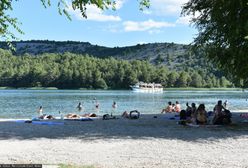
point(183, 118)
point(201, 115)
point(177, 107)
point(188, 111)
point(183, 115)
point(218, 111)
point(221, 114)
point(188, 108)
point(168, 109)
point(173, 107)
point(218, 108)
point(193, 112)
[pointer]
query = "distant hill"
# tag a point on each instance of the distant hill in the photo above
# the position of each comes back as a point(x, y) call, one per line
point(174, 56)
point(175, 64)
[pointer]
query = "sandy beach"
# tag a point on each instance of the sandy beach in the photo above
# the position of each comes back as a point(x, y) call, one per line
point(144, 143)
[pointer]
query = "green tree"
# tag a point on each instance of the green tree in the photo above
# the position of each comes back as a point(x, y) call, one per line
point(224, 82)
point(196, 80)
point(182, 80)
point(161, 75)
point(76, 71)
point(172, 78)
point(223, 30)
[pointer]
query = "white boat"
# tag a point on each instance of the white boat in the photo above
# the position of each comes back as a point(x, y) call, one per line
point(147, 87)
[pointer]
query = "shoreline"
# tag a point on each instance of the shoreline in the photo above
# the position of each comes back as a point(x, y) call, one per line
point(165, 89)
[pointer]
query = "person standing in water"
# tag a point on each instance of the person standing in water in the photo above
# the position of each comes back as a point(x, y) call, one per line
point(80, 107)
point(40, 111)
point(114, 107)
point(225, 104)
point(96, 104)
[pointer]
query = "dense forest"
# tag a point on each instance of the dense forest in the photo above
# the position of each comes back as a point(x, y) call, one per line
point(174, 56)
point(70, 70)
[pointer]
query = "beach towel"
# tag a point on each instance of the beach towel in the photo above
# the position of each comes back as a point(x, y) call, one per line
point(47, 123)
point(40, 122)
point(23, 121)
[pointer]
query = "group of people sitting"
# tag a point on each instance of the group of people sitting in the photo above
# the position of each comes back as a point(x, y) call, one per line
point(172, 108)
point(199, 115)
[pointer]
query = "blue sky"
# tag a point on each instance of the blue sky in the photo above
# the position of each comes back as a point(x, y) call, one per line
point(124, 27)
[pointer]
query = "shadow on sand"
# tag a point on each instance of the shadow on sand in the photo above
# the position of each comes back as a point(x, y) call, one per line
point(144, 128)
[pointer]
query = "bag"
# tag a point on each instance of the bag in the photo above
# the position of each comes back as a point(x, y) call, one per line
point(105, 117)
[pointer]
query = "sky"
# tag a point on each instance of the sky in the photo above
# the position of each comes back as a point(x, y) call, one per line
point(125, 26)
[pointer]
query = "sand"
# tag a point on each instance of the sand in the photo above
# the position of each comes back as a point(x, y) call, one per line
point(144, 143)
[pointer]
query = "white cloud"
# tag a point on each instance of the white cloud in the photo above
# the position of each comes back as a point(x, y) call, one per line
point(145, 26)
point(185, 20)
point(94, 13)
point(119, 4)
point(167, 7)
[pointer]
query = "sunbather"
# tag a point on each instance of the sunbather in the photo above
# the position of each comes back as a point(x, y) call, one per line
point(72, 116)
point(89, 115)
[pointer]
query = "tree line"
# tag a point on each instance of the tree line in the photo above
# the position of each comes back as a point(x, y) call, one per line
point(68, 71)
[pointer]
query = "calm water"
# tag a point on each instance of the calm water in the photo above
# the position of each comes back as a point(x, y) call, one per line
point(24, 103)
